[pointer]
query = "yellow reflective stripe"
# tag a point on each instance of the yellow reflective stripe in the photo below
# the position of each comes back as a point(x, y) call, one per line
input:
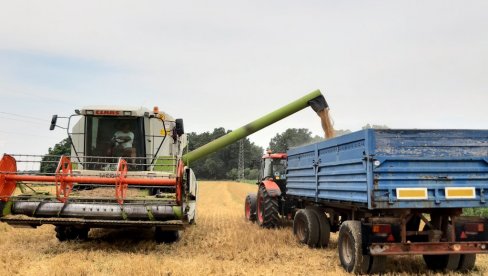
point(411, 193)
point(460, 192)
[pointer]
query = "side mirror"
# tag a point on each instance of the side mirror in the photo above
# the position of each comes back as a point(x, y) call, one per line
point(53, 122)
point(180, 130)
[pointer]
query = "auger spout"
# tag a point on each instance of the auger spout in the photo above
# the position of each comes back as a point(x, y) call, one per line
point(315, 99)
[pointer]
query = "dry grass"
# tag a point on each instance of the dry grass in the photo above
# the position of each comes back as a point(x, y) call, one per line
point(221, 243)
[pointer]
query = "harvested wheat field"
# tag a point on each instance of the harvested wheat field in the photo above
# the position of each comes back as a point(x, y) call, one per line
point(221, 243)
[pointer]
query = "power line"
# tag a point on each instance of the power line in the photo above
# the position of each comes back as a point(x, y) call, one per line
point(22, 115)
point(21, 120)
point(23, 134)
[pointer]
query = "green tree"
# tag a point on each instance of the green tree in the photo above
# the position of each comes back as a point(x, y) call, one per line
point(49, 162)
point(223, 163)
point(291, 137)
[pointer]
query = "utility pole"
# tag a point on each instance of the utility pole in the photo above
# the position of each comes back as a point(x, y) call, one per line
point(240, 166)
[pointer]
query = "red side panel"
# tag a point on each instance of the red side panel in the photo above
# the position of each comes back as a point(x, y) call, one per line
point(272, 188)
point(8, 166)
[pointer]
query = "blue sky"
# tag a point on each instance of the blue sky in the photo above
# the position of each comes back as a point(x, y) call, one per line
point(405, 64)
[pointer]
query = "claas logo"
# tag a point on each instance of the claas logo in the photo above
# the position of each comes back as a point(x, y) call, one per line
point(107, 112)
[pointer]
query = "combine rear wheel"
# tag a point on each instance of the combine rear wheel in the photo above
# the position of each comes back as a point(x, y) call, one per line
point(267, 209)
point(306, 227)
point(166, 236)
point(250, 207)
point(69, 233)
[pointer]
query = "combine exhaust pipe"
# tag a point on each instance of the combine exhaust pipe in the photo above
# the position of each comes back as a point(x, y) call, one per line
point(315, 99)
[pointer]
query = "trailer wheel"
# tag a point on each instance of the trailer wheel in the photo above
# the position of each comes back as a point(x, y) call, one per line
point(324, 227)
point(306, 227)
point(377, 264)
point(447, 262)
point(351, 248)
point(467, 262)
point(166, 236)
point(250, 207)
point(267, 209)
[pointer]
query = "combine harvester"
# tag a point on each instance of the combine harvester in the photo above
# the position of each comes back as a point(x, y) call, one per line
point(387, 192)
point(127, 169)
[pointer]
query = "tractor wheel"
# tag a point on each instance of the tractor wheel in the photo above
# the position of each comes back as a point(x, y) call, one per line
point(324, 226)
point(351, 248)
point(467, 262)
point(447, 262)
point(166, 236)
point(306, 227)
point(250, 207)
point(267, 209)
point(70, 233)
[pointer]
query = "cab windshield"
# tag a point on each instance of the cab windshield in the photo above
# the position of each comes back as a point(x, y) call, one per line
point(275, 168)
point(114, 137)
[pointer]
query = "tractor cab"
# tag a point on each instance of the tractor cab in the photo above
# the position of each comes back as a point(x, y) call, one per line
point(273, 166)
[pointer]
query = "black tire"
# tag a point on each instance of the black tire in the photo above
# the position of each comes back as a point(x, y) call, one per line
point(447, 262)
point(467, 262)
point(250, 207)
point(267, 209)
point(2, 205)
point(324, 227)
point(71, 233)
point(350, 248)
point(166, 236)
point(60, 233)
point(306, 227)
point(377, 264)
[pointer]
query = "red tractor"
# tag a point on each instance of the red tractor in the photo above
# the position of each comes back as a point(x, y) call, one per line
point(266, 206)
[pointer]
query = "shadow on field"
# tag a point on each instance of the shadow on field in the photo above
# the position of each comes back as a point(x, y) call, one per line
point(117, 240)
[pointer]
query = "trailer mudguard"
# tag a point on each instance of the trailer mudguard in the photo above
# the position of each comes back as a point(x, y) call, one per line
point(272, 188)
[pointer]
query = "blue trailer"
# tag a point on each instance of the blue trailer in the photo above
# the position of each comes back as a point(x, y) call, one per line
point(387, 192)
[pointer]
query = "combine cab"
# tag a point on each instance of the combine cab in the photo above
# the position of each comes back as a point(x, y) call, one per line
point(125, 169)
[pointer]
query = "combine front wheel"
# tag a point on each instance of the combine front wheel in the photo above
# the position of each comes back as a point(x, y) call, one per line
point(166, 236)
point(70, 233)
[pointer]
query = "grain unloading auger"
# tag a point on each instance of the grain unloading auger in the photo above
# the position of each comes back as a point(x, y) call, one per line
point(126, 169)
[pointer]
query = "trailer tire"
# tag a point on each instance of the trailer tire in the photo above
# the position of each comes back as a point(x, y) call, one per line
point(447, 262)
point(467, 262)
point(377, 264)
point(250, 207)
point(166, 236)
point(324, 227)
point(306, 227)
point(350, 248)
point(267, 209)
